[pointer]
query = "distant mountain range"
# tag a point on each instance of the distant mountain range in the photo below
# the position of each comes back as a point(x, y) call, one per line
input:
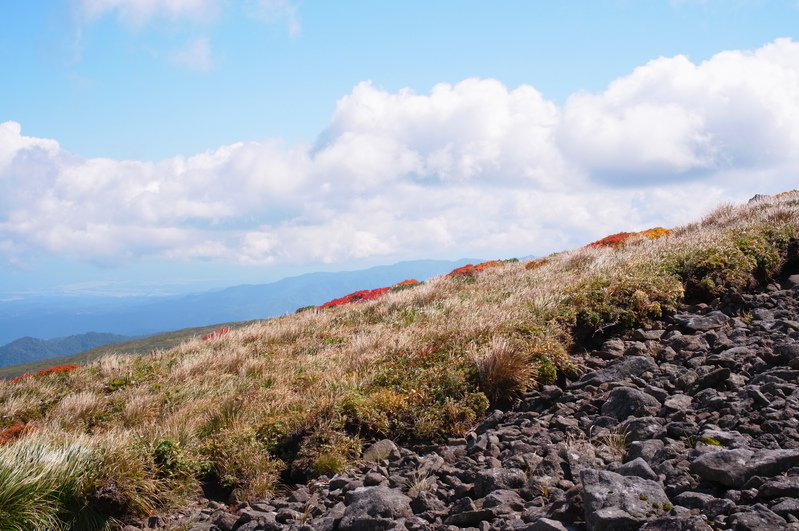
point(30, 349)
point(58, 318)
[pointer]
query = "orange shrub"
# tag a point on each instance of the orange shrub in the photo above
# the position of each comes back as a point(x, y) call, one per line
point(15, 431)
point(58, 369)
point(617, 240)
point(470, 270)
point(69, 367)
point(364, 295)
point(657, 232)
point(614, 240)
point(538, 262)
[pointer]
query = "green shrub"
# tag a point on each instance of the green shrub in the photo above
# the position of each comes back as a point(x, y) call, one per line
point(623, 302)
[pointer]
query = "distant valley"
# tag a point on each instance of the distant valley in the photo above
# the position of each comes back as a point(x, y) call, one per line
point(26, 325)
point(30, 349)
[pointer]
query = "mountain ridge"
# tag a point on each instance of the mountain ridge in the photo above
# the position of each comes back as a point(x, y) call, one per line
point(30, 349)
point(242, 302)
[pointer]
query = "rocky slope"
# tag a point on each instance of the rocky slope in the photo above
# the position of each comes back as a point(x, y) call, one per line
point(688, 424)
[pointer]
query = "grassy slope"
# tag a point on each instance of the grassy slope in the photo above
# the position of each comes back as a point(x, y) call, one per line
point(298, 395)
point(144, 345)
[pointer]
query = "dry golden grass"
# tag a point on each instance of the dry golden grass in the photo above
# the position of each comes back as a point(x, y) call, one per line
point(302, 391)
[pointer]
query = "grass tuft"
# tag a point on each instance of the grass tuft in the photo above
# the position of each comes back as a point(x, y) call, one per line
point(506, 371)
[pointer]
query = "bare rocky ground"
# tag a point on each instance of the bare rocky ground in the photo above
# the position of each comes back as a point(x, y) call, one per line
point(688, 424)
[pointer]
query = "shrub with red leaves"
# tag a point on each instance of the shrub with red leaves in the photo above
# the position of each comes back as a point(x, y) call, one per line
point(15, 431)
point(612, 241)
point(616, 240)
point(216, 333)
point(69, 367)
point(364, 295)
point(470, 270)
point(538, 262)
point(58, 369)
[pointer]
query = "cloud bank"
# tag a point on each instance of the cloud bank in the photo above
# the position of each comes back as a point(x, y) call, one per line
point(471, 169)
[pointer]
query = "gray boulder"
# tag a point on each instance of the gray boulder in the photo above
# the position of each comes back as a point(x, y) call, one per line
point(734, 468)
point(493, 479)
point(674, 523)
point(638, 468)
point(757, 518)
point(626, 401)
point(385, 449)
point(702, 323)
point(375, 509)
point(632, 366)
point(618, 503)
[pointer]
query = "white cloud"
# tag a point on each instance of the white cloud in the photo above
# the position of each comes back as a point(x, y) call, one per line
point(12, 142)
point(471, 169)
point(672, 119)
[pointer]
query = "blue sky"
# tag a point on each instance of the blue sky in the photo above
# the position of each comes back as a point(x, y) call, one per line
point(158, 146)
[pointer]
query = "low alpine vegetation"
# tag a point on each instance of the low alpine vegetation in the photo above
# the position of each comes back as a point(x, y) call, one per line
point(295, 397)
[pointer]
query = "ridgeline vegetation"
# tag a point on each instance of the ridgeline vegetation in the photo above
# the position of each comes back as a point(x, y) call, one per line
point(292, 398)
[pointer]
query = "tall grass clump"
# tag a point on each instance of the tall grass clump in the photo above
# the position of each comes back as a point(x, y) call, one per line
point(42, 486)
point(506, 371)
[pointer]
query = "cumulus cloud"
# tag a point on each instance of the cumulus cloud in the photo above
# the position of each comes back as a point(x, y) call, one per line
point(672, 119)
point(470, 169)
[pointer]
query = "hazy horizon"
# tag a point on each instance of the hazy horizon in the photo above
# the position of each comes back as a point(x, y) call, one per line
point(159, 147)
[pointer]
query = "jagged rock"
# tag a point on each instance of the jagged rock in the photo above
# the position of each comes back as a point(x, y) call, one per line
point(498, 478)
point(503, 501)
point(257, 519)
point(646, 450)
point(734, 468)
point(639, 468)
point(470, 518)
point(634, 366)
point(678, 402)
point(756, 518)
point(425, 501)
point(672, 523)
point(225, 521)
point(374, 508)
point(702, 323)
point(545, 524)
point(385, 449)
point(786, 507)
point(779, 487)
point(618, 503)
point(628, 401)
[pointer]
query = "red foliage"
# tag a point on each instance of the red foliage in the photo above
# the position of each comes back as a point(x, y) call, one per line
point(69, 367)
point(364, 295)
point(15, 431)
point(216, 333)
point(538, 262)
point(470, 270)
point(614, 240)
